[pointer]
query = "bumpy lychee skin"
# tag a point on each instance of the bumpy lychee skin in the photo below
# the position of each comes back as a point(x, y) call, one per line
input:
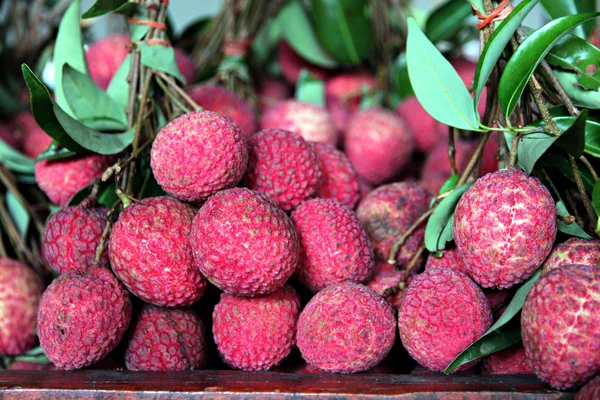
point(340, 180)
point(82, 317)
point(591, 391)
point(256, 333)
point(61, 179)
point(291, 64)
point(198, 154)
point(442, 313)
point(387, 212)
point(344, 92)
point(428, 132)
point(310, 121)
point(385, 281)
point(559, 326)
point(346, 328)
point(283, 166)
point(20, 292)
point(265, 251)
point(33, 139)
point(504, 227)
point(164, 339)
point(335, 246)
point(271, 92)
point(573, 251)
point(150, 252)
point(223, 101)
point(72, 236)
point(378, 144)
point(508, 361)
point(105, 56)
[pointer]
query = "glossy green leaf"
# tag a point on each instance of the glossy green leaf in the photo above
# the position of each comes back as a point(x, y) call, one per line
point(590, 141)
point(439, 227)
point(14, 160)
point(35, 355)
point(106, 194)
point(310, 89)
point(101, 7)
point(18, 213)
point(55, 152)
point(495, 339)
point(437, 85)
point(579, 95)
point(571, 229)
point(449, 184)
point(573, 139)
point(578, 55)
point(343, 28)
point(118, 88)
point(532, 148)
point(302, 37)
point(401, 87)
point(160, 58)
point(562, 8)
point(495, 46)
point(526, 58)
point(447, 20)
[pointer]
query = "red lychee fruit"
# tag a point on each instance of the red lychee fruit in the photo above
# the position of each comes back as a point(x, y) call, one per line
point(442, 313)
point(387, 212)
point(71, 237)
point(591, 391)
point(573, 251)
point(508, 361)
point(489, 159)
point(20, 292)
point(223, 101)
point(283, 166)
point(340, 180)
point(150, 252)
point(437, 169)
point(61, 179)
point(497, 298)
point(449, 260)
point(291, 64)
point(378, 144)
point(385, 281)
point(344, 92)
point(186, 66)
point(265, 251)
point(256, 333)
point(428, 132)
point(335, 246)
point(33, 139)
point(163, 339)
point(82, 317)
point(215, 143)
point(271, 92)
point(308, 120)
point(346, 328)
point(364, 187)
point(559, 326)
point(504, 227)
point(19, 365)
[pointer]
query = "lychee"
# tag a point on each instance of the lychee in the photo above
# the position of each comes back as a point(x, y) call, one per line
point(591, 391)
point(33, 139)
point(508, 361)
point(7, 136)
point(214, 143)
point(150, 252)
point(186, 66)
point(243, 243)
point(223, 101)
point(335, 246)
point(283, 166)
point(344, 92)
point(504, 227)
point(559, 326)
point(164, 339)
point(387, 213)
point(20, 292)
point(82, 317)
point(308, 120)
point(19, 365)
point(378, 144)
point(442, 313)
point(271, 92)
point(291, 64)
point(385, 281)
point(346, 328)
point(256, 333)
point(340, 180)
point(449, 259)
point(428, 132)
point(573, 251)
point(437, 169)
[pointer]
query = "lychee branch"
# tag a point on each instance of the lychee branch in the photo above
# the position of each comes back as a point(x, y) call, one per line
point(589, 208)
point(589, 166)
point(102, 245)
point(406, 235)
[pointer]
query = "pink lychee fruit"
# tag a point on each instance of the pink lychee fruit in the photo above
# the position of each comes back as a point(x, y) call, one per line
point(19, 365)
point(437, 168)
point(387, 213)
point(308, 120)
point(559, 326)
point(335, 246)
point(33, 139)
point(150, 252)
point(378, 144)
point(271, 92)
point(283, 166)
point(489, 159)
point(82, 317)
point(508, 361)
point(364, 187)
point(346, 328)
point(291, 64)
point(256, 333)
point(340, 180)
point(265, 251)
point(186, 66)
point(504, 227)
point(428, 132)
point(442, 313)
point(223, 101)
point(344, 92)
point(573, 251)
point(20, 292)
point(214, 142)
point(591, 391)
point(163, 339)
point(385, 281)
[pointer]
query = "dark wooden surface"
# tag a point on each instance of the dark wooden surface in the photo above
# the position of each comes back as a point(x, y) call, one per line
point(265, 385)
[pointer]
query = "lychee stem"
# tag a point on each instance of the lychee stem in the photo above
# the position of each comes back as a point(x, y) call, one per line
point(102, 244)
point(514, 151)
point(405, 236)
point(584, 197)
point(451, 150)
point(589, 167)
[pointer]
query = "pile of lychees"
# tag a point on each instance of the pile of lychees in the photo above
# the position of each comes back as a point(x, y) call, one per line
point(293, 216)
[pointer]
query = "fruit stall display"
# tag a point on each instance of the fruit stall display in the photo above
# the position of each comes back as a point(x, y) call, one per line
point(290, 192)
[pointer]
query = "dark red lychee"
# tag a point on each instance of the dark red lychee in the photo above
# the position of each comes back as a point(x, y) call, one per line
point(340, 180)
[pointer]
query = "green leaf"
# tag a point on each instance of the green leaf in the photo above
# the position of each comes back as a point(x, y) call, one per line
point(343, 28)
point(478, 5)
point(450, 184)
point(495, 46)
point(578, 94)
point(302, 37)
point(526, 58)
point(18, 213)
point(310, 89)
point(447, 20)
point(532, 148)
point(101, 7)
point(118, 88)
point(573, 139)
point(578, 55)
point(562, 8)
point(401, 87)
point(55, 152)
point(437, 85)
point(493, 339)
point(439, 227)
point(14, 160)
point(572, 229)
point(68, 50)
point(161, 58)
point(106, 194)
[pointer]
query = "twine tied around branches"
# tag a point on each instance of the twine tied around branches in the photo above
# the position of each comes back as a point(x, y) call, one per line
point(500, 13)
